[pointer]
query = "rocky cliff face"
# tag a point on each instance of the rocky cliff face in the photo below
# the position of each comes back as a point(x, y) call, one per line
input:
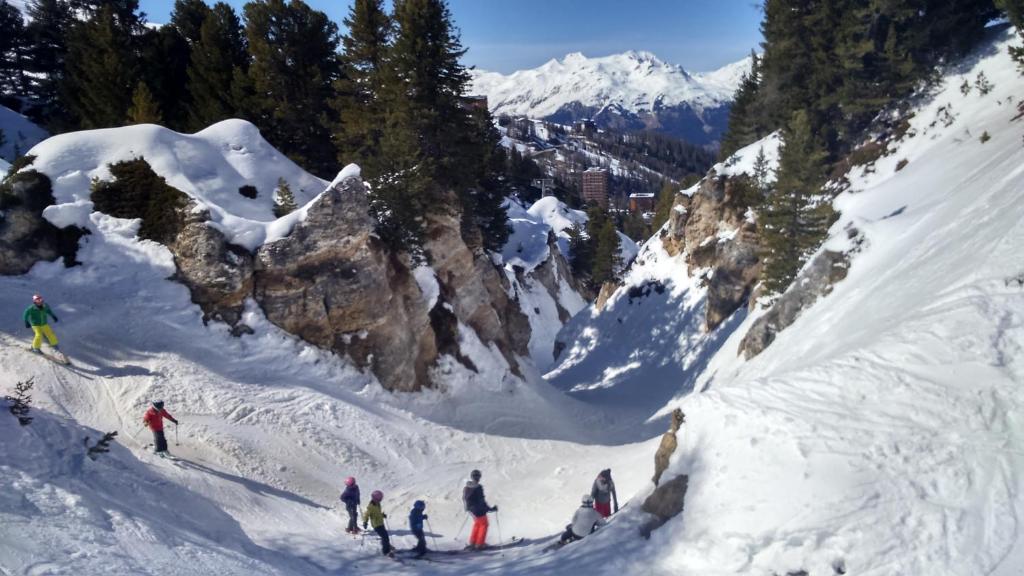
point(334, 284)
point(713, 227)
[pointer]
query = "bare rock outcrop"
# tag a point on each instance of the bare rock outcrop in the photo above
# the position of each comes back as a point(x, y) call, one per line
point(475, 289)
point(713, 228)
point(814, 282)
point(219, 275)
point(668, 445)
point(334, 284)
point(667, 501)
point(25, 236)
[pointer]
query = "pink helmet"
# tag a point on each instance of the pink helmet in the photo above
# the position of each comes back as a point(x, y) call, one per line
point(350, 481)
point(377, 496)
point(37, 299)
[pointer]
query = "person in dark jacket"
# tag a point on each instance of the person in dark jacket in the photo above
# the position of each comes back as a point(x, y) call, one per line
point(416, 518)
point(476, 504)
point(603, 493)
point(154, 419)
point(350, 497)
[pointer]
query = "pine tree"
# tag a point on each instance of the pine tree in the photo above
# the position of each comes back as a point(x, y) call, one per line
point(581, 253)
point(293, 65)
point(794, 220)
point(164, 67)
point(606, 254)
point(14, 49)
point(101, 69)
point(187, 19)
point(48, 28)
point(744, 117)
point(359, 101)
point(284, 199)
point(663, 209)
point(144, 109)
point(1015, 13)
point(425, 88)
point(216, 57)
point(483, 204)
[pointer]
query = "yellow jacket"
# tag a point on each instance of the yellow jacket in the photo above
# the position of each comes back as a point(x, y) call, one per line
point(374, 515)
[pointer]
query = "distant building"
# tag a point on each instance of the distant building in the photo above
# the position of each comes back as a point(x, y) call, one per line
point(595, 186)
point(585, 126)
point(641, 202)
point(521, 128)
point(475, 103)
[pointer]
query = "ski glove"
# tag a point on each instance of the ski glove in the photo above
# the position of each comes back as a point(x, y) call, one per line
point(27, 325)
point(425, 516)
point(494, 508)
point(384, 515)
point(55, 320)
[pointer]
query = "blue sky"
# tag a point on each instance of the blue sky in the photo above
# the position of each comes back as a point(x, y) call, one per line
point(508, 35)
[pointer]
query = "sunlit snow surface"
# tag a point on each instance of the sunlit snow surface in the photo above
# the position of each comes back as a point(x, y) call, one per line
point(880, 434)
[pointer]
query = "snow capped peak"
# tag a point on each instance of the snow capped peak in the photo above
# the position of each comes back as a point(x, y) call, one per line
point(636, 81)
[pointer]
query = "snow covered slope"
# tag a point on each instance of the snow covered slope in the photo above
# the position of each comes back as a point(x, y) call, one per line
point(634, 86)
point(210, 166)
point(20, 134)
point(883, 432)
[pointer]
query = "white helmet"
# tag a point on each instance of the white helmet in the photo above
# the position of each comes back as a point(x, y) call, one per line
point(587, 500)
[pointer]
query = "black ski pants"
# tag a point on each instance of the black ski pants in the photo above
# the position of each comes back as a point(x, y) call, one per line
point(159, 441)
point(385, 542)
point(352, 513)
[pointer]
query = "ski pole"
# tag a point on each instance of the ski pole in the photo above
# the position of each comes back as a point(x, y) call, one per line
point(137, 430)
point(176, 434)
point(432, 535)
point(464, 520)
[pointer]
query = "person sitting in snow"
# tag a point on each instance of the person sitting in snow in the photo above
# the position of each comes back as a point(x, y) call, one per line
point(416, 518)
point(603, 493)
point(154, 418)
point(476, 504)
point(35, 317)
point(350, 497)
point(584, 521)
point(375, 516)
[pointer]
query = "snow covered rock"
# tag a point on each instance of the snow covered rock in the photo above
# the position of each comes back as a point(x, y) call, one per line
point(26, 237)
point(20, 134)
point(334, 284)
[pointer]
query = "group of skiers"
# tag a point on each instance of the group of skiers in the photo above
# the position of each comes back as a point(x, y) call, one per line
point(595, 508)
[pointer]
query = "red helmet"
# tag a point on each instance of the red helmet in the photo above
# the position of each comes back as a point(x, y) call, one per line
point(350, 481)
point(37, 299)
point(377, 496)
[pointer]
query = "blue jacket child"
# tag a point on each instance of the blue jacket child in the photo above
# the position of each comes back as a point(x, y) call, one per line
point(416, 518)
point(350, 497)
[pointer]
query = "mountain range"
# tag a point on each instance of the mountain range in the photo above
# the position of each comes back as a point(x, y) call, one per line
point(629, 91)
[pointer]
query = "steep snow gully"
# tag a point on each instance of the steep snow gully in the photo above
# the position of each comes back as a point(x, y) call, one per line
point(882, 433)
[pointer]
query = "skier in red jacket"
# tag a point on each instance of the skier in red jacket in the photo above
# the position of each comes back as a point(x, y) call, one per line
point(154, 418)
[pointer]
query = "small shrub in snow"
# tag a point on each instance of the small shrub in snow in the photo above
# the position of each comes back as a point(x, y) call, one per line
point(982, 83)
point(138, 192)
point(284, 200)
point(965, 88)
point(19, 163)
point(21, 401)
point(101, 447)
point(902, 164)
point(985, 137)
point(249, 191)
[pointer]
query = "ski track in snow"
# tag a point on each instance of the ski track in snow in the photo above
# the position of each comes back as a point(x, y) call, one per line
point(881, 434)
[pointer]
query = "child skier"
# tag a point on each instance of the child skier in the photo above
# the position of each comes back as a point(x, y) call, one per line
point(35, 317)
point(416, 518)
point(351, 499)
point(584, 521)
point(476, 504)
point(603, 493)
point(154, 419)
point(375, 516)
